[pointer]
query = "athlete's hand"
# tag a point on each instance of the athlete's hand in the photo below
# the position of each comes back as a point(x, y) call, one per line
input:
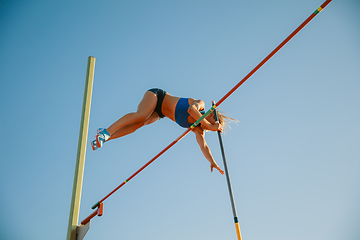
point(217, 127)
point(214, 165)
point(212, 127)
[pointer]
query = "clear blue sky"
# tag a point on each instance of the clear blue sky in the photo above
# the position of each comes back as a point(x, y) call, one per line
point(294, 156)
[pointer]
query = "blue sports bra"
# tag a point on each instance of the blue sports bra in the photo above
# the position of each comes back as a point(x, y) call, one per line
point(182, 114)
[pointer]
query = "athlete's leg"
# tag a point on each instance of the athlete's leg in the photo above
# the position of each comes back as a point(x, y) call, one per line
point(134, 126)
point(145, 109)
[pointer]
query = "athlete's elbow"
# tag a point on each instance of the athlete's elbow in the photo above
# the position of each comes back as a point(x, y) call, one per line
point(194, 107)
point(191, 111)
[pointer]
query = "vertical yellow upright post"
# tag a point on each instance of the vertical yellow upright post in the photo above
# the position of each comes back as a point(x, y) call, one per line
point(80, 157)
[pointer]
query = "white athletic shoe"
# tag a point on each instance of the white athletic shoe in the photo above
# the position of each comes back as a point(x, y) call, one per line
point(101, 137)
point(94, 145)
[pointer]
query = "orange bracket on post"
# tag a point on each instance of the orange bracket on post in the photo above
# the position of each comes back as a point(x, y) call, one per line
point(98, 212)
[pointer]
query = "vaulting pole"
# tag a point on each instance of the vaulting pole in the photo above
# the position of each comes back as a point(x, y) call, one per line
point(80, 157)
point(231, 195)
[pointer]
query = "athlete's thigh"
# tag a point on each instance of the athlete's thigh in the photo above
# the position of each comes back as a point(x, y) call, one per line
point(153, 118)
point(147, 105)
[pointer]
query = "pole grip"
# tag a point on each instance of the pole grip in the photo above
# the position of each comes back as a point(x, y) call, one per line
point(215, 112)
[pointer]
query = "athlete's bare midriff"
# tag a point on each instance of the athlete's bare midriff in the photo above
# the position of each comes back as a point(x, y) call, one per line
point(169, 105)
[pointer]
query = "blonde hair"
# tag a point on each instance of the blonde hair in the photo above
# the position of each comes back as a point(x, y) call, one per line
point(225, 120)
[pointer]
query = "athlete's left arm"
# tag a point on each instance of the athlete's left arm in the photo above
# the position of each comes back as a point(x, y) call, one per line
point(200, 138)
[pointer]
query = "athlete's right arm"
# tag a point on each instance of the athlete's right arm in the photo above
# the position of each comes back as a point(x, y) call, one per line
point(194, 111)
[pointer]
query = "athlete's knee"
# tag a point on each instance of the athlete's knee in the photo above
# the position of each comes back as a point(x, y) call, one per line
point(136, 126)
point(141, 117)
point(153, 118)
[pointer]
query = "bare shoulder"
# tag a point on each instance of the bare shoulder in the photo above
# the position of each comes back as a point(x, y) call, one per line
point(199, 102)
point(192, 100)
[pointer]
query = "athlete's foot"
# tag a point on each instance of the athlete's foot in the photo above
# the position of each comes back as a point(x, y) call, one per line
point(94, 145)
point(101, 137)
